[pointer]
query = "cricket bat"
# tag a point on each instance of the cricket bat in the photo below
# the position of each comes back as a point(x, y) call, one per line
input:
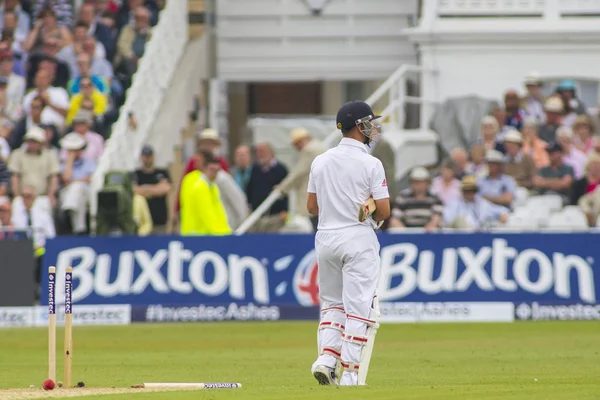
point(366, 210)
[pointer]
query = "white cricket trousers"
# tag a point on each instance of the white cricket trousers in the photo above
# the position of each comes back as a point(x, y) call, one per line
point(348, 274)
point(74, 198)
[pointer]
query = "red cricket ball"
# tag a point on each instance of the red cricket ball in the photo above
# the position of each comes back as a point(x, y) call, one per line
point(48, 384)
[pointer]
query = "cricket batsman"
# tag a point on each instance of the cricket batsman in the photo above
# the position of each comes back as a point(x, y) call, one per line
point(348, 192)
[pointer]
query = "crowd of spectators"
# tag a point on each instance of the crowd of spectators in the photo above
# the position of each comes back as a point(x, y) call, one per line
point(64, 71)
point(543, 146)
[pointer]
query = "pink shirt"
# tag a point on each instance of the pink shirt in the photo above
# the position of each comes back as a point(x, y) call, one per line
point(445, 193)
point(576, 159)
point(94, 149)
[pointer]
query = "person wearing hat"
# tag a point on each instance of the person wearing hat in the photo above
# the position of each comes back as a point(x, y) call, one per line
point(472, 211)
point(154, 184)
point(416, 207)
point(554, 109)
point(532, 145)
point(584, 133)
point(514, 113)
point(342, 180)
point(556, 178)
point(518, 164)
point(82, 123)
point(567, 90)
point(590, 181)
point(76, 174)
point(297, 178)
point(33, 165)
point(533, 101)
point(490, 138)
point(571, 155)
point(497, 187)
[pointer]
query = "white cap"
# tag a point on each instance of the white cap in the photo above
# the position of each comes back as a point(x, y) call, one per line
point(494, 156)
point(419, 174)
point(489, 120)
point(531, 121)
point(36, 133)
point(210, 134)
point(533, 78)
point(72, 141)
point(298, 134)
point(513, 136)
point(554, 104)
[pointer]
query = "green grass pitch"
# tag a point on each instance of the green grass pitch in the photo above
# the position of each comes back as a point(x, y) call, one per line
point(528, 360)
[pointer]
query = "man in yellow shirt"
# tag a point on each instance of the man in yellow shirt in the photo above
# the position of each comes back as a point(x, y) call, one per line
point(201, 208)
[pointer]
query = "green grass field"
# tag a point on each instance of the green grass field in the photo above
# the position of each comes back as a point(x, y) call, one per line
point(272, 360)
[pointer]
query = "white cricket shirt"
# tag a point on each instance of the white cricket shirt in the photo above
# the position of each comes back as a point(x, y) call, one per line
point(343, 178)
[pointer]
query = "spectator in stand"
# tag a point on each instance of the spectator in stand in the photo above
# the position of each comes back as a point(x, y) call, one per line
point(477, 167)
point(518, 165)
point(88, 92)
point(297, 179)
point(5, 129)
point(62, 9)
point(10, 23)
point(533, 145)
point(461, 160)
point(33, 119)
point(126, 14)
point(52, 140)
point(98, 124)
point(497, 187)
point(69, 54)
point(584, 134)
point(489, 134)
point(383, 151)
point(4, 180)
point(571, 156)
point(84, 71)
point(208, 140)
point(590, 181)
point(94, 142)
point(416, 207)
point(109, 19)
point(132, 42)
point(23, 20)
point(19, 57)
point(243, 166)
point(46, 27)
point(202, 211)
point(568, 92)
point(56, 100)
point(499, 113)
point(99, 65)
point(154, 184)
point(28, 213)
point(554, 108)
point(76, 175)
point(445, 186)
point(472, 211)
point(266, 174)
point(557, 178)
point(12, 89)
point(46, 59)
point(32, 165)
point(5, 219)
point(590, 205)
point(533, 102)
point(514, 113)
point(96, 29)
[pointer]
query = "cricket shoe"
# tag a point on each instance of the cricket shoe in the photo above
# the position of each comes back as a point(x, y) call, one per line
point(325, 375)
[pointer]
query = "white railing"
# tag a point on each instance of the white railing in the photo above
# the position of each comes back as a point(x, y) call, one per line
point(392, 91)
point(542, 8)
point(146, 94)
